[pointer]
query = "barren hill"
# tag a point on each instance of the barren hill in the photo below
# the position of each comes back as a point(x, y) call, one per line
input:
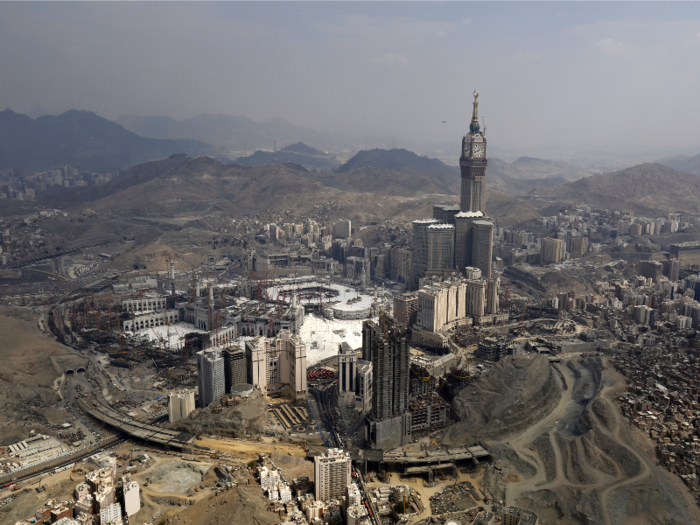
point(648, 189)
point(80, 139)
point(180, 185)
point(517, 392)
point(386, 181)
point(683, 163)
point(407, 162)
point(298, 153)
point(528, 173)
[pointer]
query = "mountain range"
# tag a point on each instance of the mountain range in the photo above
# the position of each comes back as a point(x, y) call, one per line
point(233, 132)
point(299, 153)
point(683, 163)
point(182, 186)
point(648, 189)
point(80, 139)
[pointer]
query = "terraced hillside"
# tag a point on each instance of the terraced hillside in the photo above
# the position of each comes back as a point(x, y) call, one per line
point(575, 460)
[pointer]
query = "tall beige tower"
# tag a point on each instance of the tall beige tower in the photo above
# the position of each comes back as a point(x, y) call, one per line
point(472, 165)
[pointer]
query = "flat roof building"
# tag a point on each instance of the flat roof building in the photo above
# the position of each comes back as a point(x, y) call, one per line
point(212, 383)
point(332, 474)
point(180, 405)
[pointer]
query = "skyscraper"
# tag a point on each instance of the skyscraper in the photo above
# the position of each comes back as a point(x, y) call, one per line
point(441, 242)
point(472, 165)
point(212, 382)
point(482, 246)
point(389, 422)
point(458, 237)
point(420, 249)
point(347, 365)
point(552, 251)
point(492, 296)
point(464, 238)
point(391, 362)
point(235, 367)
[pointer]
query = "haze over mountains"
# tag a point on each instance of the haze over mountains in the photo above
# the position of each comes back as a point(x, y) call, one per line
point(89, 142)
point(181, 185)
point(683, 163)
point(235, 132)
point(80, 139)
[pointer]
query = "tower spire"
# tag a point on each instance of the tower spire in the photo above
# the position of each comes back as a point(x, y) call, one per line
point(474, 127)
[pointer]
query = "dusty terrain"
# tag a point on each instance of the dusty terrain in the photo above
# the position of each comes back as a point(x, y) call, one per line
point(247, 418)
point(580, 463)
point(29, 376)
point(518, 391)
point(248, 450)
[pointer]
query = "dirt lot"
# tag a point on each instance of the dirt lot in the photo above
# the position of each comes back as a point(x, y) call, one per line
point(28, 377)
point(250, 450)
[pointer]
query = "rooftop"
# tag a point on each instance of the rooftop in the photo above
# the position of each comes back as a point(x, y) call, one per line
point(441, 227)
point(469, 214)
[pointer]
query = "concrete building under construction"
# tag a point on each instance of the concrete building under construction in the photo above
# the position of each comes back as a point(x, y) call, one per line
point(389, 421)
point(277, 364)
point(452, 302)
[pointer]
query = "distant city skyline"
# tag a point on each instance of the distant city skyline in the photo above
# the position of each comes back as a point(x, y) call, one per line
point(572, 76)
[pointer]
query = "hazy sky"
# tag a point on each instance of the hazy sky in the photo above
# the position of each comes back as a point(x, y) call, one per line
point(572, 75)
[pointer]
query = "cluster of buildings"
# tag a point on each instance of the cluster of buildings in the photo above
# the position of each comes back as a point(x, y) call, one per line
point(24, 236)
point(267, 364)
point(25, 186)
point(332, 497)
point(662, 400)
point(574, 232)
point(101, 499)
point(458, 237)
point(442, 304)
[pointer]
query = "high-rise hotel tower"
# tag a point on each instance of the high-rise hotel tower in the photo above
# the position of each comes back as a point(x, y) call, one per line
point(472, 164)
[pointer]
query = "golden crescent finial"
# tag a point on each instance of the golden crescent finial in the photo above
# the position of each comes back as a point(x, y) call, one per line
point(476, 94)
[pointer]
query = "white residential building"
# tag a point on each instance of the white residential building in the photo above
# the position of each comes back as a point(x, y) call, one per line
point(132, 497)
point(332, 474)
point(180, 405)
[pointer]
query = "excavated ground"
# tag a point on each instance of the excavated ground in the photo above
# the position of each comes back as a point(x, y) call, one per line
point(247, 418)
point(175, 477)
point(519, 391)
point(575, 460)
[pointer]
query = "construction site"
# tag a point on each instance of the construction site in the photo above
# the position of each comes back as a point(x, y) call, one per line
point(164, 322)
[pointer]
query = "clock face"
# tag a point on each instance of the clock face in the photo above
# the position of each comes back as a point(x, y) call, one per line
point(467, 145)
point(478, 150)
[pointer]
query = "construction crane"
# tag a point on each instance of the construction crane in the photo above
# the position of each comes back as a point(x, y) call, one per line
point(223, 297)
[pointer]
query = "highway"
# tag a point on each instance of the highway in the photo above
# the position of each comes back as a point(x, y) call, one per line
point(39, 258)
point(62, 461)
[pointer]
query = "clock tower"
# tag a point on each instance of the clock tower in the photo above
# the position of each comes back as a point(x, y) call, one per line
point(472, 164)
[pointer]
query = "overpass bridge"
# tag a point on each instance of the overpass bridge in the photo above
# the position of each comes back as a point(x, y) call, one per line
point(101, 411)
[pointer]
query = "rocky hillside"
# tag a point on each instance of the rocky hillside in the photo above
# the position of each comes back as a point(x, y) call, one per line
point(80, 139)
point(647, 189)
point(517, 392)
point(404, 161)
point(180, 185)
point(528, 173)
